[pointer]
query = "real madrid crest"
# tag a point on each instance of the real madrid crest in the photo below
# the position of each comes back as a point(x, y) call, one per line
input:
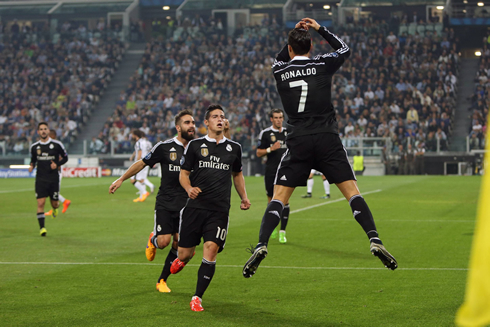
point(273, 138)
point(38, 150)
point(51, 146)
point(229, 148)
point(173, 156)
point(204, 152)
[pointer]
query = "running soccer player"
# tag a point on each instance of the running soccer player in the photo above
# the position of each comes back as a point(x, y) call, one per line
point(48, 155)
point(171, 197)
point(311, 182)
point(304, 85)
point(140, 180)
point(272, 143)
point(207, 166)
point(65, 202)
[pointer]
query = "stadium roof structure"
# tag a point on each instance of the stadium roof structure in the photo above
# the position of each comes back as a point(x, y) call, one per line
point(232, 4)
point(368, 3)
point(21, 8)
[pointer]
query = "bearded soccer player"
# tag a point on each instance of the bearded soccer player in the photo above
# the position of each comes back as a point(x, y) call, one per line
point(171, 197)
point(304, 85)
point(272, 143)
point(208, 165)
point(48, 155)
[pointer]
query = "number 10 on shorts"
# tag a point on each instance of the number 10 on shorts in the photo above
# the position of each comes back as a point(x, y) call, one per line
point(221, 234)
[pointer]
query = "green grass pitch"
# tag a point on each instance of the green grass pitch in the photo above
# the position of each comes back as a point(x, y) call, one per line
point(91, 269)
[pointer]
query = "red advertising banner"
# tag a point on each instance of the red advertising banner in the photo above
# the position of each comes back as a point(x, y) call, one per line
point(82, 172)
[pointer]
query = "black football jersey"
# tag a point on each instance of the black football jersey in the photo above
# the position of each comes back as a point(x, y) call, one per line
point(267, 138)
point(42, 154)
point(171, 196)
point(211, 166)
point(304, 85)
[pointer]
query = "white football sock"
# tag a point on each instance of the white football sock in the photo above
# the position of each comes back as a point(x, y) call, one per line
point(149, 184)
point(141, 188)
point(326, 186)
point(309, 185)
point(61, 198)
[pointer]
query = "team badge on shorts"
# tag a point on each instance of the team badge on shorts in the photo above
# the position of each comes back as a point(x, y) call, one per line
point(173, 156)
point(273, 137)
point(204, 152)
point(229, 148)
point(159, 228)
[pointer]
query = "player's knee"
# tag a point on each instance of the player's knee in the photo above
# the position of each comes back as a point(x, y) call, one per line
point(163, 242)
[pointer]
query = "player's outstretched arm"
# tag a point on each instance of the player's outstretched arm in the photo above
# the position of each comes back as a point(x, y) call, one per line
point(239, 183)
point(133, 170)
point(340, 47)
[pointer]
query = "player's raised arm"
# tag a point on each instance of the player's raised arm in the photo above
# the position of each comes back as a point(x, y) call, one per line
point(341, 48)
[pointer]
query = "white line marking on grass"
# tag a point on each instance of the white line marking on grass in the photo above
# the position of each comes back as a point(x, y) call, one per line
point(63, 187)
point(224, 266)
point(329, 202)
point(399, 220)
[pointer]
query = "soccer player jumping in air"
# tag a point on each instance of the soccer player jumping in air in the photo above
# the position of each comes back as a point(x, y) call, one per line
point(313, 141)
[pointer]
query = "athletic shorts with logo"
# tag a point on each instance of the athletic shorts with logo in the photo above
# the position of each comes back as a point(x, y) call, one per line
point(210, 225)
point(323, 152)
point(46, 189)
point(166, 222)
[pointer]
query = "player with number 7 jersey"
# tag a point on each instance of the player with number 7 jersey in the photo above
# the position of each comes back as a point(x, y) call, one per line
point(304, 84)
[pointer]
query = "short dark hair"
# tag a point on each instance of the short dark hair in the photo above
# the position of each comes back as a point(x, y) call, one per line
point(300, 40)
point(139, 133)
point(52, 133)
point(276, 111)
point(181, 114)
point(42, 123)
point(211, 108)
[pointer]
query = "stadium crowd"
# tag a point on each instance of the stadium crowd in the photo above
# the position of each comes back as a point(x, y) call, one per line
point(401, 87)
point(480, 100)
point(56, 79)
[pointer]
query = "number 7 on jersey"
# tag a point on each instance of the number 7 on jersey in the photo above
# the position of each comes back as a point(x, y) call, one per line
point(304, 93)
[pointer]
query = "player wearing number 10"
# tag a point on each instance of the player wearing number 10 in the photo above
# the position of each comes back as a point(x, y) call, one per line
point(304, 85)
point(206, 169)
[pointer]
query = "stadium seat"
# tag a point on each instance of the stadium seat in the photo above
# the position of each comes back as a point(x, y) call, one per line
point(402, 29)
point(429, 27)
point(412, 28)
point(421, 29)
point(438, 28)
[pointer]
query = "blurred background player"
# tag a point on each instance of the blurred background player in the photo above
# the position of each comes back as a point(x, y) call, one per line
point(47, 155)
point(140, 180)
point(171, 197)
point(311, 182)
point(66, 203)
point(272, 143)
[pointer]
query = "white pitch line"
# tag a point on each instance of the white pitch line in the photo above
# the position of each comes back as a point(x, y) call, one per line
point(63, 186)
point(400, 220)
point(328, 202)
point(224, 266)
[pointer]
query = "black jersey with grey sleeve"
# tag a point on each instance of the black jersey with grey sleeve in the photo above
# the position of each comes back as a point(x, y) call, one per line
point(171, 196)
point(267, 138)
point(304, 85)
point(211, 166)
point(42, 153)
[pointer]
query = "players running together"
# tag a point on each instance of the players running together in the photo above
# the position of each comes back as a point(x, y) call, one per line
point(208, 165)
point(48, 155)
point(171, 197)
point(272, 143)
point(304, 85)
